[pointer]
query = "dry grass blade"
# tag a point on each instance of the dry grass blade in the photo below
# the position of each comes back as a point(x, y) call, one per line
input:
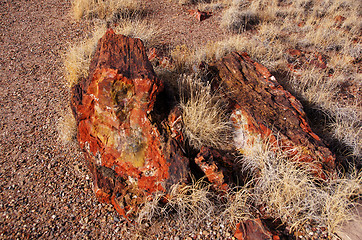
point(137, 28)
point(191, 201)
point(104, 9)
point(238, 20)
point(318, 89)
point(78, 57)
point(189, 204)
point(238, 207)
point(67, 128)
point(290, 193)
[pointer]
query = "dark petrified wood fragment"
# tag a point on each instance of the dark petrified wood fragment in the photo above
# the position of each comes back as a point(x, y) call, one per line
point(263, 110)
point(219, 167)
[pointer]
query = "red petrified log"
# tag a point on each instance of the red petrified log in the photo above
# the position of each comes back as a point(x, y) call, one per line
point(262, 110)
point(112, 106)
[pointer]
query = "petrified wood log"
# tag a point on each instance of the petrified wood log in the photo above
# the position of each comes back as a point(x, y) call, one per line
point(263, 110)
point(252, 230)
point(126, 154)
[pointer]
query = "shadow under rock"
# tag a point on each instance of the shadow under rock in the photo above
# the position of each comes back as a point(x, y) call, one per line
point(320, 123)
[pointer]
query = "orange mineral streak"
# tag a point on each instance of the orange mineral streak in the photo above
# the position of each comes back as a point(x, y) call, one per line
point(263, 70)
point(212, 172)
point(114, 124)
point(101, 195)
point(304, 125)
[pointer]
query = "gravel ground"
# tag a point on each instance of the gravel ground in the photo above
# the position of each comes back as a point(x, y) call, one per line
point(45, 187)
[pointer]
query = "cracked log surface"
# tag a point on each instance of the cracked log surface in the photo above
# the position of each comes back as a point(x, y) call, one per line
point(125, 151)
point(263, 110)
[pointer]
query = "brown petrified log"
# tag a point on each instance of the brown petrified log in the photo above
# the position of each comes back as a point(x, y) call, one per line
point(252, 230)
point(263, 111)
point(126, 154)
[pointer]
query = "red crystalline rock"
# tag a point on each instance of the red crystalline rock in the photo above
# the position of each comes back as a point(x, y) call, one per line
point(218, 167)
point(112, 106)
point(262, 109)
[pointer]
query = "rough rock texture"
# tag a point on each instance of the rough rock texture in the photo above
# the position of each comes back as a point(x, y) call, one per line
point(252, 230)
point(219, 168)
point(263, 110)
point(200, 15)
point(179, 164)
point(299, 60)
point(124, 150)
point(157, 59)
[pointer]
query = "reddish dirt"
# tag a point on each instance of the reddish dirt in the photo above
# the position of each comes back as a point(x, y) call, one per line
point(179, 27)
point(45, 187)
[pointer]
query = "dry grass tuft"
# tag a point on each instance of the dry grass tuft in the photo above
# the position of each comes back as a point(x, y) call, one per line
point(205, 121)
point(348, 128)
point(321, 90)
point(194, 205)
point(78, 57)
point(336, 205)
point(184, 58)
point(237, 19)
point(189, 204)
point(287, 191)
point(137, 28)
point(238, 207)
point(67, 127)
point(104, 9)
point(265, 48)
point(191, 201)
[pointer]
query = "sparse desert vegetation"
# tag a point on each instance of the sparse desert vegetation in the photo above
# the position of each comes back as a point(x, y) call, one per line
point(205, 121)
point(324, 74)
point(105, 9)
point(285, 189)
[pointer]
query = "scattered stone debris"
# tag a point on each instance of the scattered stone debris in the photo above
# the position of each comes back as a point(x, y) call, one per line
point(200, 15)
point(253, 230)
point(298, 60)
point(157, 59)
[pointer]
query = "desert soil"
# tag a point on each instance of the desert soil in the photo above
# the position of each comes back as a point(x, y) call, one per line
point(45, 187)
